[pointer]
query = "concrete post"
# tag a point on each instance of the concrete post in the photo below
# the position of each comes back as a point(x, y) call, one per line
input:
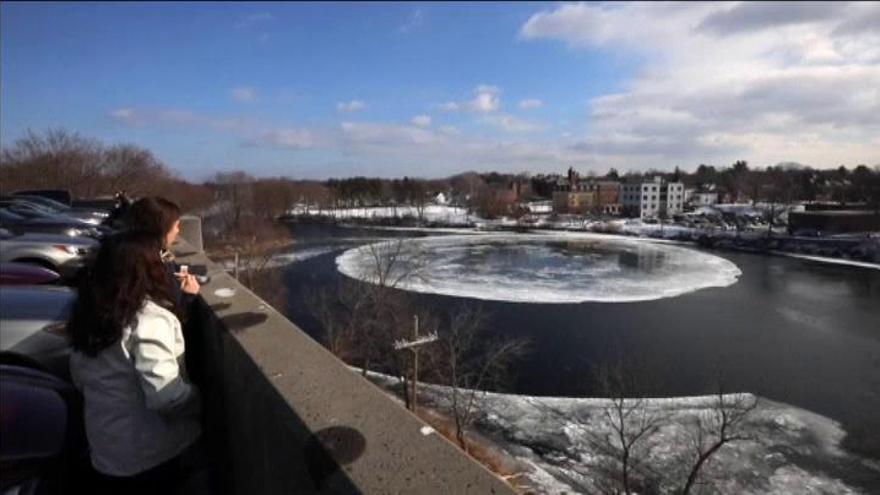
point(191, 231)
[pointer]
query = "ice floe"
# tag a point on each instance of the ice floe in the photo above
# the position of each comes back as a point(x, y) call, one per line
point(547, 268)
point(563, 444)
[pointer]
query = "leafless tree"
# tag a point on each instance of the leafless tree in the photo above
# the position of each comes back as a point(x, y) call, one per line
point(630, 419)
point(337, 309)
point(715, 428)
point(234, 195)
point(385, 310)
point(59, 159)
point(362, 318)
point(472, 366)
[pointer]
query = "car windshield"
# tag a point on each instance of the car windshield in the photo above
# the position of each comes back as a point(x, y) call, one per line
point(30, 210)
point(46, 202)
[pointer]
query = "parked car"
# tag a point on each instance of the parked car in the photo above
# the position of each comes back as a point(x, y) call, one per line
point(32, 326)
point(91, 215)
point(26, 274)
point(31, 209)
point(43, 448)
point(60, 195)
point(105, 203)
point(19, 224)
point(63, 254)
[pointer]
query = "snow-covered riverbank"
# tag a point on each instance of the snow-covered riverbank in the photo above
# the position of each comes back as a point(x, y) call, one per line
point(561, 444)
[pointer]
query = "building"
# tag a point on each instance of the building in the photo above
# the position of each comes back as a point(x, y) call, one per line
point(576, 195)
point(703, 195)
point(653, 199)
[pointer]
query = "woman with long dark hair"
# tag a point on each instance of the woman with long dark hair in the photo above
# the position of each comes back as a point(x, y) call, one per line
point(141, 412)
point(160, 217)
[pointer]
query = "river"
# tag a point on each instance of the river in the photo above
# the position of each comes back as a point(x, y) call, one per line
point(792, 330)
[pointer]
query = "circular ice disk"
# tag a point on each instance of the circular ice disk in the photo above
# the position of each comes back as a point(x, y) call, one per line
point(540, 268)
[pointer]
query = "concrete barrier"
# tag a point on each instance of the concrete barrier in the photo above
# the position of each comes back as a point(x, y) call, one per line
point(191, 231)
point(284, 415)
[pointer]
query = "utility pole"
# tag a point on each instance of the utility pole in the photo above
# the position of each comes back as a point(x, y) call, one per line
point(414, 345)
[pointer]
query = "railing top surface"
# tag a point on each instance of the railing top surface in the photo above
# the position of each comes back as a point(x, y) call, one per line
point(400, 454)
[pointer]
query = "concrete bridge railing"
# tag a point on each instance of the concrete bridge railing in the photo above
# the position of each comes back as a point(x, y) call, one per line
point(284, 415)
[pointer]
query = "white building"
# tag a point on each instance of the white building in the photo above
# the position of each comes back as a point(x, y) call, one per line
point(653, 199)
point(704, 195)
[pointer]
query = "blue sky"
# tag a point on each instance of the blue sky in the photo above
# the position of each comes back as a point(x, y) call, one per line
point(318, 90)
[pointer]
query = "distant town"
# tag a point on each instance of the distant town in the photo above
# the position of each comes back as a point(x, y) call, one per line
point(787, 207)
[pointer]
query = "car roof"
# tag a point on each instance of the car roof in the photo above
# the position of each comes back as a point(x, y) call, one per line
point(25, 302)
point(40, 238)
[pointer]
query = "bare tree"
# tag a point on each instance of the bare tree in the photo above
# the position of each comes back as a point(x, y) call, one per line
point(59, 159)
point(386, 311)
point(630, 419)
point(473, 367)
point(713, 429)
point(363, 318)
point(337, 309)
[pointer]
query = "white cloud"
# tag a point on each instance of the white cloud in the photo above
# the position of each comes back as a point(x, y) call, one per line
point(252, 20)
point(800, 80)
point(350, 106)
point(416, 19)
point(243, 94)
point(248, 132)
point(486, 99)
point(285, 138)
point(421, 120)
point(372, 148)
point(510, 123)
point(386, 134)
point(530, 103)
point(124, 114)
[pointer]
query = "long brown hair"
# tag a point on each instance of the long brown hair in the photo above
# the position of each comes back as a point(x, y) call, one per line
point(154, 215)
point(126, 272)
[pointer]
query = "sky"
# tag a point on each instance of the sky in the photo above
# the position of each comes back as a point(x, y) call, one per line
point(433, 89)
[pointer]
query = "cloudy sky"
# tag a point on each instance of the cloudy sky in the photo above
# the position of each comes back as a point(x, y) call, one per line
point(320, 90)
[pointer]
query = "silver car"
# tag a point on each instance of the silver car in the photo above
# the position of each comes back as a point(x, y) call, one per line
point(32, 325)
point(62, 254)
point(89, 215)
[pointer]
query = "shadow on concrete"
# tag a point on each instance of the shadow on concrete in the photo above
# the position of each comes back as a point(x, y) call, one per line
point(329, 449)
point(241, 321)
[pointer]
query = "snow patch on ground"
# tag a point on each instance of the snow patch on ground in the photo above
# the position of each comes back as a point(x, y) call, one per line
point(450, 215)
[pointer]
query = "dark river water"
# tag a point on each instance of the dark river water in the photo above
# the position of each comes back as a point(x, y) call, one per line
point(795, 331)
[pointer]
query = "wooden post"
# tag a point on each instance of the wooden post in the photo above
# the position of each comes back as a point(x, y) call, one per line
point(415, 379)
point(414, 345)
point(235, 267)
